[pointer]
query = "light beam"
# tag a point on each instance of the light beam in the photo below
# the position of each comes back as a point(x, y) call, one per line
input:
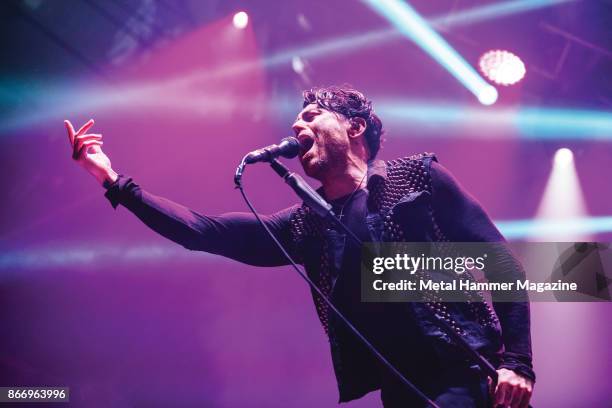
point(413, 26)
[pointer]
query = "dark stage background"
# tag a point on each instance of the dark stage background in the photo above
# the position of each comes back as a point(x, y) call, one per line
point(93, 300)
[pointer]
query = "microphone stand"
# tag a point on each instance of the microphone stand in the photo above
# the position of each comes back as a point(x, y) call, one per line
point(324, 209)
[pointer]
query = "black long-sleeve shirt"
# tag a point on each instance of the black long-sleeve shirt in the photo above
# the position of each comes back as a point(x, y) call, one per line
point(240, 237)
point(234, 235)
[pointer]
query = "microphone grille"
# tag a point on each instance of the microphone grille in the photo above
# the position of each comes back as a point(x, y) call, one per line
point(290, 147)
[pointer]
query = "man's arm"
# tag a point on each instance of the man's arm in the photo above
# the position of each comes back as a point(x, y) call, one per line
point(463, 219)
point(238, 235)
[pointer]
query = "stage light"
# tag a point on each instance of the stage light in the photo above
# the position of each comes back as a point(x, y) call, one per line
point(105, 254)
point(527, 228)
point(412, 25)
point(303, 22)
point(487, 95)
point(91, 254)
point(562, 202)
point(456, 18)
point(55, 105)
point(56, 98)
point(527, 122)
point(297, 64)
point(564, 157)
point(491, 11)
point(241, 19)
point(502, 67)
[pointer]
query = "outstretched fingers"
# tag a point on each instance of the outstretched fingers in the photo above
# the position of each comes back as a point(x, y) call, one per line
point(70, 130)
point(85, 127)
point(72, 135)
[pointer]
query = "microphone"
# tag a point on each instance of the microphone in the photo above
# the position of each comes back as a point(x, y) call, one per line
point(289, 147)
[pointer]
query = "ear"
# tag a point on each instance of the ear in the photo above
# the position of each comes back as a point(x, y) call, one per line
point(357, 127)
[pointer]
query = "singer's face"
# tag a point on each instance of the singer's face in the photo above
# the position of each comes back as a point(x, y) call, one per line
point(324, 140)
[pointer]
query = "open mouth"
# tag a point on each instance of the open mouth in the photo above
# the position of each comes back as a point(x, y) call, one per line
point(306, 143)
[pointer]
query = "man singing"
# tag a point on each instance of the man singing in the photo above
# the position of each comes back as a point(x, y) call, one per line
point(412, 199)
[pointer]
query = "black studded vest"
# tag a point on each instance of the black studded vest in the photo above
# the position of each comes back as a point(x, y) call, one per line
point(407, 180)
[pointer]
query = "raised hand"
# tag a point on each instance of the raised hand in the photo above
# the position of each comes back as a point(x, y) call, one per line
point(87, 151)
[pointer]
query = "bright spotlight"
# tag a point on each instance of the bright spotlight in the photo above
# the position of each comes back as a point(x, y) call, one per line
point(502, 67)
point(241, 19)
point(562, 204)
point(564, 157)
point(487, 95)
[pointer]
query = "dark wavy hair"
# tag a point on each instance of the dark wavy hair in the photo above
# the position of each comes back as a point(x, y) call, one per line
point(352, 104)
